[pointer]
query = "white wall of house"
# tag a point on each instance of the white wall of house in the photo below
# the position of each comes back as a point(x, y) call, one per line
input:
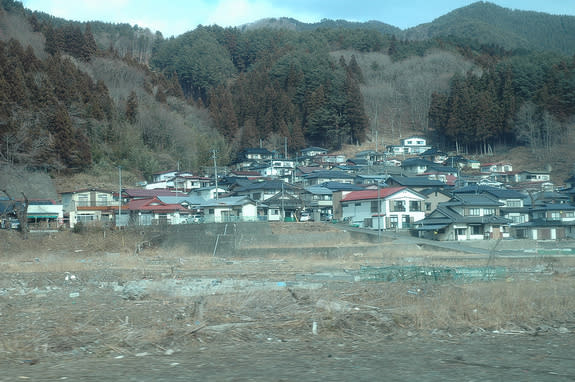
point(221, 214)
point(163, 176)
point(208, 192)
point(153, 217)
point(274, 214)
point(464, 232)
point(162, 185)
point(526, 176)
point(364, 213)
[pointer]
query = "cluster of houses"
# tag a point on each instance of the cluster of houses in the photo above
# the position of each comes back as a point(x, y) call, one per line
point(410, 187)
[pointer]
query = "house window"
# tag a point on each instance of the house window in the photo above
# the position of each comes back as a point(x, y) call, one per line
point(374, 208)
point(488, 211)
point(357, 204)
point(513, 203)
point(102, 200)
point(427, 206)
point(398, 206)
point(210, 211)
point(83, 201)
point(517, 218)
point(473, 212)
point(275, 212)
point(393, 221)
point(555, 215)
point(405, 221)
point(569, 214)
point(85, 218)
point(476, 230)
point(414, 205)
point(461, 231)
point(256, 195)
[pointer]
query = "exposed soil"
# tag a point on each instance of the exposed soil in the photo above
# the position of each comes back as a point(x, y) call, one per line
point(91, 308)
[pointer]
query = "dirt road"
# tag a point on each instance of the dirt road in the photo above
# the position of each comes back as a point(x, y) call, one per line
point(485, 357)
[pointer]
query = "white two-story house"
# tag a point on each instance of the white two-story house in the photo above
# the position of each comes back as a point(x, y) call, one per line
point(90, 206)
point(383, 208)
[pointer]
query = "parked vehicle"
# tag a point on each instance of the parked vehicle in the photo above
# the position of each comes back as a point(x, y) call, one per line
point(196, 219)
point(305, 217)
point(10, 223)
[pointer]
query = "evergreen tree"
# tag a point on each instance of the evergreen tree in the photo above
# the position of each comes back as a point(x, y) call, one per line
point(354, 110)
point(132, 107)
point(89, 47)
point(61, 128)
point(355, 70)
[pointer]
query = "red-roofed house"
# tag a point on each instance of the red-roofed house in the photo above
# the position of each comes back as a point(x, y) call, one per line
point(154, 211)
point(399, 207)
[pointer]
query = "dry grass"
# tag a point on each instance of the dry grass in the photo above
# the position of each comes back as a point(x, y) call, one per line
point(100, 321)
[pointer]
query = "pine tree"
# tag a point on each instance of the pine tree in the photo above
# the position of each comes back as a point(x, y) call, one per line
point(89, 48)
point(355, 70)
point(60, 126)
point(354, 111)
point(52, 40)
point(132, 107)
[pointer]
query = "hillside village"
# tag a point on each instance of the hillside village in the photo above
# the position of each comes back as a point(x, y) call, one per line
point(410, 187)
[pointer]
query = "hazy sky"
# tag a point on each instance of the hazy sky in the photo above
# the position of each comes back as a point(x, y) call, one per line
point(174, 17)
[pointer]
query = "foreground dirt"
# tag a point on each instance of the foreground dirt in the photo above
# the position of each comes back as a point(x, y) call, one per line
point(89, 308)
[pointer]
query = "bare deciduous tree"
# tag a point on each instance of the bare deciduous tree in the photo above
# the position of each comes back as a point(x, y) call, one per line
point(397, 95)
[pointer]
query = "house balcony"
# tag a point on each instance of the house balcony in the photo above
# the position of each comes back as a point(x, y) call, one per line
point(94, 206)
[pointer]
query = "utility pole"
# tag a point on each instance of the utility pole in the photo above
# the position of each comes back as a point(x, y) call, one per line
point(282, 201)
point(215, 171)
point(378, 214)
point(120, 196)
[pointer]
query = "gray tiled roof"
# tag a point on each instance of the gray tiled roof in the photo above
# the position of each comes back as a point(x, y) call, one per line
point(499, 193)
point(416, 181)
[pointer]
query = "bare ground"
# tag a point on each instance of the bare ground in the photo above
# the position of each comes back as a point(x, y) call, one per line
point(100, 306)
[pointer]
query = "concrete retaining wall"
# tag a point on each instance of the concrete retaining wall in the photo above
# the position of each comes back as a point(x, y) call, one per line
point(257, 239)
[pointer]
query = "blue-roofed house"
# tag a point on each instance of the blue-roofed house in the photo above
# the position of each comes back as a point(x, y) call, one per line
point(416, 183)
point(434, 155)
point(548, 221)
point(319, 200)
point(262, 191)
point(513, 207)
point(318, 177)
point(465, 217)
point(191, 202)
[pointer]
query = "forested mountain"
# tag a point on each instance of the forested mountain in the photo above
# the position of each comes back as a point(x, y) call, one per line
point(68, 106)
point(295, 25)
point(92, 96)
point(487, 23)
